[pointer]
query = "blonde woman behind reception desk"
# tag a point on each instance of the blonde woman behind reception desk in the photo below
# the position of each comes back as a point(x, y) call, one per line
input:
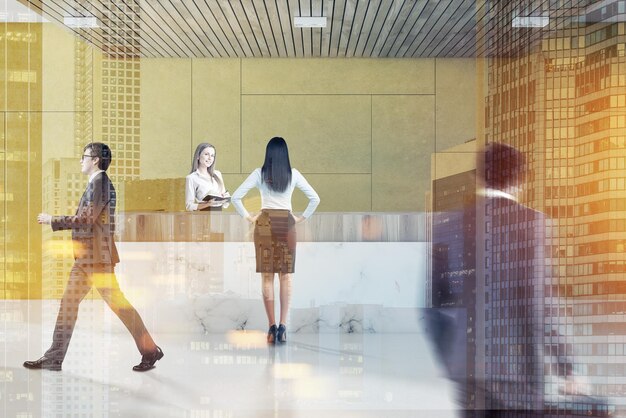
point(274, 232)
point(204, 180)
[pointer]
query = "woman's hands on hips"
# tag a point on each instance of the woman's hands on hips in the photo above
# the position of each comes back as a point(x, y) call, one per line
point(252, 218)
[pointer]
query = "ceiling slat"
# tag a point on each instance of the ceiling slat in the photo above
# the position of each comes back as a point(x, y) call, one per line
point(355, 28)
point(408, 28)
point(277, 27)
point(490, 21)
point(148, 25)
point(147, 42)
point(253, 22)
point(243, 22)
point(215, 27)
point(396, 28)
point(377, 27)
point(235, 33)
point(304, 9)
point(327, 31)
point(346, 27)
point(366, 28)
point(264, 28)
point(152, 11)
point(184, 24)
point(286, 23)
point(293, 9)
point(317, 9)
point(402, 46)
point(423, 20)
point(434, 26)
point(339, 7)
point(454, 26)
point(391, 20)
point(122, 23)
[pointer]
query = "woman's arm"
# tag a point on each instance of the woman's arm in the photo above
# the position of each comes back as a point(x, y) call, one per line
point(249, 183)
point(190, 194)
point(309, 192)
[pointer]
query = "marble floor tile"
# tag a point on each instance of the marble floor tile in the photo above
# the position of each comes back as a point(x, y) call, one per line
point(226, 374)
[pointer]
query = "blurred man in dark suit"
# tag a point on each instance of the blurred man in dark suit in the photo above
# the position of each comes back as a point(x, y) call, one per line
point(95, 254)
point(488, 321)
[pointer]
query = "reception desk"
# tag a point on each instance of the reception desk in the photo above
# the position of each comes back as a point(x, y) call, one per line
point(230, 227)
point(355, 272)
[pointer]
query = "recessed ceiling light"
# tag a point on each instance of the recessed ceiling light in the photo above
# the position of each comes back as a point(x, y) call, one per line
point(530, 21)
point(309, 21)
point(80, 21)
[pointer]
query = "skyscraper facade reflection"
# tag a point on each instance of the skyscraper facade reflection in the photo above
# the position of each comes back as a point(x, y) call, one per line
point(560, 101)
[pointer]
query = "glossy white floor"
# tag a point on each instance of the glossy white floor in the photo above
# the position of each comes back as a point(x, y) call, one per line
point(232, 374)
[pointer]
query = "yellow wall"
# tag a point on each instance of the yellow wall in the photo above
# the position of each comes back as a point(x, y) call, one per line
point(20, 156)
point(367, 125)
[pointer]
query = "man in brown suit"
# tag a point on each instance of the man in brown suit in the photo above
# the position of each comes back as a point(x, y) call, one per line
point(95, 256)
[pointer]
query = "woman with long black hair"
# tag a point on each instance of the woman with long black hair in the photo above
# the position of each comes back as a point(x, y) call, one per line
point(274, 232)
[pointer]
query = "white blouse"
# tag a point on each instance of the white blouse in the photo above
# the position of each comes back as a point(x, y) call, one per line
point(197, 187)
point(271, 199)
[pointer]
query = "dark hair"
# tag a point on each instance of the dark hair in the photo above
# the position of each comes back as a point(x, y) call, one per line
point(276, 170)
point(102, 151)
point(504, 166)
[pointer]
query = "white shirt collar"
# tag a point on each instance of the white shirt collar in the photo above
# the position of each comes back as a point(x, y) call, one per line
point(210, 178)
point(497, 193)
point(93, 176)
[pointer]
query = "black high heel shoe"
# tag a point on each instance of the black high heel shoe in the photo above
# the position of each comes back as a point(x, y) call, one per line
point(271, 334)
point(281, 335)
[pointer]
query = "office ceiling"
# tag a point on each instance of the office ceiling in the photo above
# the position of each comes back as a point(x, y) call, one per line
point(264, 28)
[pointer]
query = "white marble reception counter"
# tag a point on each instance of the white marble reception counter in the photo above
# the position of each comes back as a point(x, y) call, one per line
point(195, 272)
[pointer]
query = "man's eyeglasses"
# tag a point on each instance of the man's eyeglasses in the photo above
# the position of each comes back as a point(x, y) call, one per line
point(82, 157)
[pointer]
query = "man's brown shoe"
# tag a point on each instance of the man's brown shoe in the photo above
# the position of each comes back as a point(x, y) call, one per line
point(44, 363)
point(148, 360)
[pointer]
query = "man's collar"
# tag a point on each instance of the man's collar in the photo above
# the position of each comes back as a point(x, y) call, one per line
point(93, 176)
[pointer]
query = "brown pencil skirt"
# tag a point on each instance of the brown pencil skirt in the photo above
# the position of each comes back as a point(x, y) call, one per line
point(275, 241)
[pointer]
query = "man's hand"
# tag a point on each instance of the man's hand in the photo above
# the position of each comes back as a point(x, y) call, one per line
point(44, 219)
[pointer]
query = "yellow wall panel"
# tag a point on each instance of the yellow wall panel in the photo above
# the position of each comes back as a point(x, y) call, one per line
point(456, 101)
point(3, 211)
point(338, 193)
point(325, 134)
point(216, 109)
point(403, 140)
point(337, 76)
point(57, 68)
point(57, 137)
point(23, 66)
point(3, 63)
point(165, 118)
point(23, 203)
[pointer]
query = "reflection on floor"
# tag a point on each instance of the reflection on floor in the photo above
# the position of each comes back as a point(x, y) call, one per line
point(232, 374)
